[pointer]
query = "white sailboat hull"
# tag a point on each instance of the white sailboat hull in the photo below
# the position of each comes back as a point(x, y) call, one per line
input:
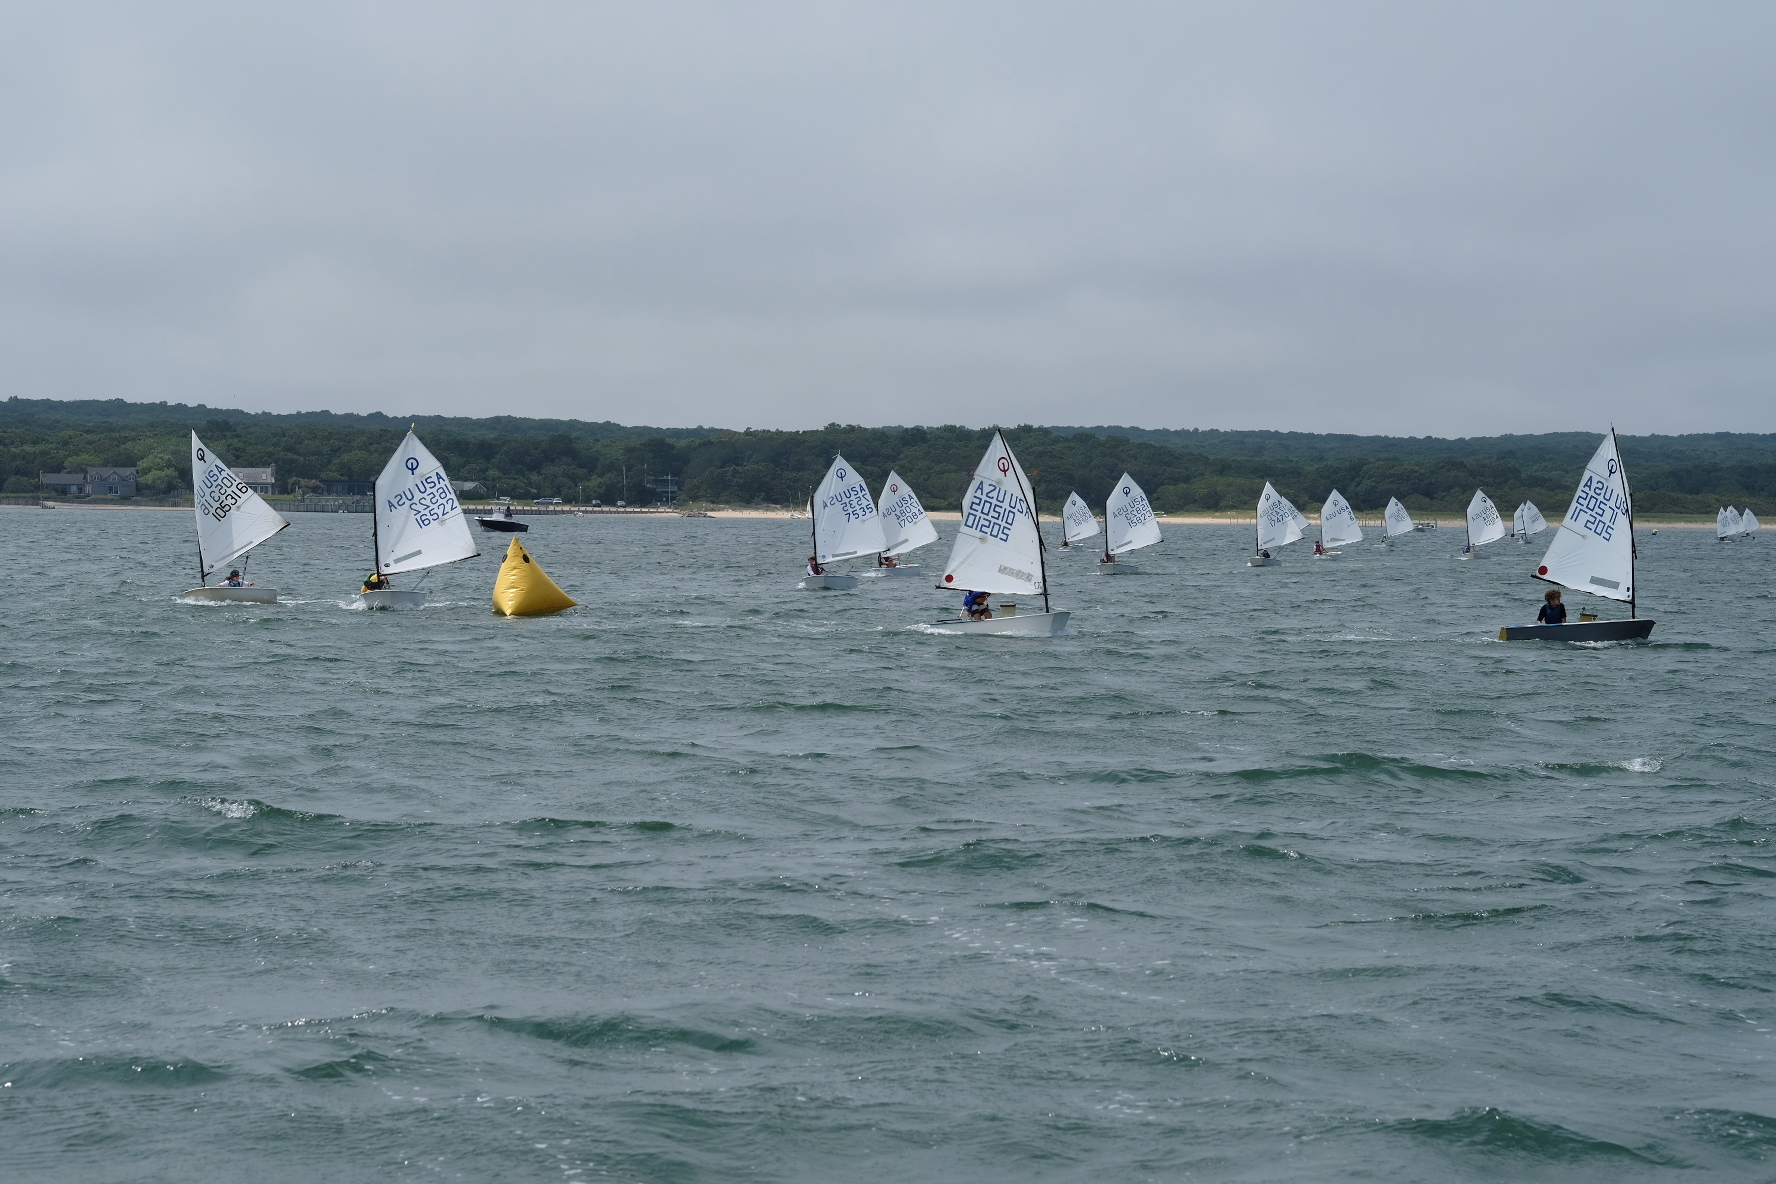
point(391, 598)
point(827, 583)
point(233, 595)
point(1261, 561)
point(905, 569)
point(1018, 624)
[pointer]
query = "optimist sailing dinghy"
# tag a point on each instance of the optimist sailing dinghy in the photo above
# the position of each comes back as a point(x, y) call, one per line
point(1279, 524)
point(1338, 526)
point(1748, 523)
point(1395, 522)
point(417, 524)
point(231, 520)
point(1129, 525)
point(1484, 524)
point(1593, 551)
point(845, 525)
point(1527, 521)
point(1078, 523)
point(905, 526)
point(1726, 524)
point(999, 550)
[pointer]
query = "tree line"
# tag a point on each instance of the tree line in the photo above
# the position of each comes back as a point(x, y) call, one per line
point(582, 461)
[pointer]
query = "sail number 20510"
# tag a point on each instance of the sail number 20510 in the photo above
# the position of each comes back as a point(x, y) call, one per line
point(992, 510)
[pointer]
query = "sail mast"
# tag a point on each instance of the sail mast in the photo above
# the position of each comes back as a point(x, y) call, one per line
point(1633, 547)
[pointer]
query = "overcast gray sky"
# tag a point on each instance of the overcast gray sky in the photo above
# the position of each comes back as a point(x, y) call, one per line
point(1407, 218)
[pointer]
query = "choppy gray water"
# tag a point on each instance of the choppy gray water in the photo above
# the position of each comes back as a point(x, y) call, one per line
point(1284, 875)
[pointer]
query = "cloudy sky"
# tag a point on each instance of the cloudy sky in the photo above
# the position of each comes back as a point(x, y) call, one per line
point(1402, 218)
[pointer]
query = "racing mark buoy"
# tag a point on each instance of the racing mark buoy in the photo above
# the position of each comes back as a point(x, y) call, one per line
point(524, 590)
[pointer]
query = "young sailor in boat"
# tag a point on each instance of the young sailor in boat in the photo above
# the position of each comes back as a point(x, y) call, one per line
point(375, 582)
point(234, 581)
point(887, 561)
point(814, 568)
point(975, 607)
point(1263, 553)
point(1319, 547)
point(1553, 612)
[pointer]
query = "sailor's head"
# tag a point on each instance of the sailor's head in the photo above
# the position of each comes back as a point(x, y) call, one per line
point(1552, 596)
point(235, 574)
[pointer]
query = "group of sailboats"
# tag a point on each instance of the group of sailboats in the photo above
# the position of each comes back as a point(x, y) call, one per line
point(846, 523)
point(998, 549)
point(1129, 524)
point(1527, 521)
point(1735, 524)
point(417, 524)
point(1279, 523)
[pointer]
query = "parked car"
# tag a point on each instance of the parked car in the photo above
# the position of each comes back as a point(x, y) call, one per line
point(547, 501)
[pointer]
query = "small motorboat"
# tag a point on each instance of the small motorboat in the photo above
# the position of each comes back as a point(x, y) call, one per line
point(507, 525)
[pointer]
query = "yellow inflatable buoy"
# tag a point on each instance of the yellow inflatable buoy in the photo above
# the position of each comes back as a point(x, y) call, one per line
point(522, 590)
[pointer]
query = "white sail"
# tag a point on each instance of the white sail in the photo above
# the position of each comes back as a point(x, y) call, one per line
point(846, 524)
point(1533, 522)
point(998, 549)
point(1484, 523)
point(905, 525)
point(1748, 522)
point(231, 518)
point(1398, 520)
point(1129, 522)
point(1078, 519)
point(1517, 524)
point(419, 523)
point(1338, 522)
point(1279, 522)
point(1593, 551)
point(1726, 523)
